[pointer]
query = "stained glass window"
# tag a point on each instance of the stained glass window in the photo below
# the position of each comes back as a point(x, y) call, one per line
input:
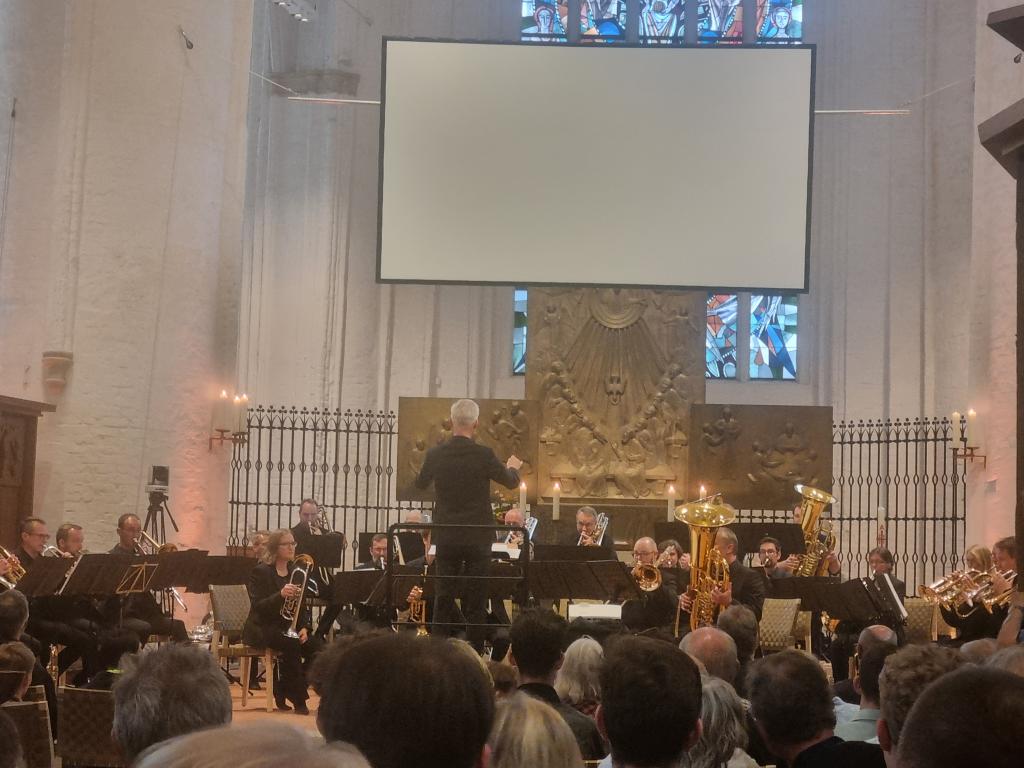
point(519, 333)
point(773, 337)
point(720, 341)
point(604, 19)
point(543, 20)
point(661, 21)
point(720, 21)
point(780, 20)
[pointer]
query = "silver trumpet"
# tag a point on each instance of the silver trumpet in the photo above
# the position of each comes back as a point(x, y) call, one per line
point(292, 608)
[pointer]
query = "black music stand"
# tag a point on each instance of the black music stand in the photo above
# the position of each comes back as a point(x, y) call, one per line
point(325, 549)
point(177, 569)
point(411, 543)
point(220, 569)
point(572, 553)
point(815, 593)
point(748, 535)
point(99, 575)
point(45, 577)
point(355, 587)
point(581, 580)
point(674, 530)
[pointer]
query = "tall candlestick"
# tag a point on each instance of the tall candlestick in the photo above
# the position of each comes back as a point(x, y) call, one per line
point(236, 413)
point(972, 427)
point(222, 411)
point(703, 492)
point(556, 499)
point(670, 505)
point(522, 497)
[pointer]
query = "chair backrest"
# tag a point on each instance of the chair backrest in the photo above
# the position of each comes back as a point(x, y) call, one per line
point(35, 693)
point(230, 604)
point(921, 620)
point(84, 721)
point(776, 627)
point(32, 720)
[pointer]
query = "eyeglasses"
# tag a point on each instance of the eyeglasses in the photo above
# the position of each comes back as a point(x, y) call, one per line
point(286, 544)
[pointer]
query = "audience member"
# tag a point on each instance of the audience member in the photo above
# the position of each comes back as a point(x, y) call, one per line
point(10, 743)
point(538, 637)
point(264, 745)
point(968, 718)
point(905, 675)
point(405, 701)
point(863, 725)
point(650, 703)
point(13, 620)
point(1008, 659)
point(876, 634)
point(739, 623)
point(724, 734)
point(173, 690)
point(715, 649)
point(792, 708)
point(578, 682)
point(978, 651)
point(528, 732)
point(111, 648)
point(504, 678)
point(16, 657)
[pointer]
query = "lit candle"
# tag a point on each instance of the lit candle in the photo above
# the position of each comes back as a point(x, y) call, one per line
point(972, 427)
point(242, 425)
point(522, 497)
point(556, 499)
point(670, 505)
point(703, 492)
point(222, 411)
point(955, 430)
point(236, 412)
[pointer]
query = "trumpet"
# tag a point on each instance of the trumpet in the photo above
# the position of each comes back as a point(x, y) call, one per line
point(648, 577)
point(15, 570)
point(418, 608)
point(292, 608)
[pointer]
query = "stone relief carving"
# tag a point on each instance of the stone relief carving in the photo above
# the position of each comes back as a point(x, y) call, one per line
point(615, 372)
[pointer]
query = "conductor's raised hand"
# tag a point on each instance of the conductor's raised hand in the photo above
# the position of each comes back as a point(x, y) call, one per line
point(514, 462)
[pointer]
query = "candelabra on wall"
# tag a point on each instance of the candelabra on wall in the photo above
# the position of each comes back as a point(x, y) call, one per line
point(229, 414)
point(965, 434)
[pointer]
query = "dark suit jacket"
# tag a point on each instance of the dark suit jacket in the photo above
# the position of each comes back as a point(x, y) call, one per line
point(836, 753)
point(747, 587)
point(265, 606)
point(583, 728)
point(461, 471)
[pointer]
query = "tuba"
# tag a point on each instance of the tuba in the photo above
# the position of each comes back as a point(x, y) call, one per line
point(819, 539)
point(708, 567)
point(14, 572)
point(292, 608)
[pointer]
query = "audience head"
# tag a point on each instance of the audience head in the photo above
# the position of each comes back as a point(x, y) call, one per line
point(969, 717)
point(650, 702)
point(538, 637)
point(280, 546)
point(790, 701)
point(875, 635)
point(16, 657)
point(267, 745)
point(579, 678)
point(740, 623)
point(114, 644)
point(726, 543)
point(979, 558)
point(10, 743)
point(1008, 659)
point(34, 536)
point(406, 701)
point(724, 726)
point(70, 538)
point(880, 561)
point(868, 672)
point(13, 615)
point(1004, 554)
point(904, 675)
point(716, 650)
point(504, 678)
point(528, 732)
point(129, 528)
point(978, 651)
point(173, 690)
point(465, 415)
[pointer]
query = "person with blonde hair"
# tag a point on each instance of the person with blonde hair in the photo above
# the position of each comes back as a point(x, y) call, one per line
point(724, 736)
point(979, 623)
point(529, 732)
point(578, 682)
point(978, 557)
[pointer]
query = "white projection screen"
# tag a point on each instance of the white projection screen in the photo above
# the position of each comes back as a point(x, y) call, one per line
point(596, 165)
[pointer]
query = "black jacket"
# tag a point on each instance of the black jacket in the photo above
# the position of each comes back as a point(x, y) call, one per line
point(265, 606)
point(583, 728)
point(747, 588)
point(461, 471)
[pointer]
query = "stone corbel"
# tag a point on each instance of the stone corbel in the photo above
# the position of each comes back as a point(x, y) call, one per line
point(55, 371)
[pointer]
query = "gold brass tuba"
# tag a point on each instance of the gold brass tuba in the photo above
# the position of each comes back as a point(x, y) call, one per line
point(819, 539)
point(708, 567)
point(15, 570)
point(292, 608)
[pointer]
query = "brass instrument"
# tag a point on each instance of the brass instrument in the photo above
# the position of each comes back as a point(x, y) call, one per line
point(819, 539)
point(321, 525)
point(292, 608)
point(156, 548)
point(648, 577)
point(964, 592)
point(418, 608)
point(599, 529)
point(708, 568)
point(51, 551)
point(14, 572)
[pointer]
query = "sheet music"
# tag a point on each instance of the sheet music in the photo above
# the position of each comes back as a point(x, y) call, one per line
point(895, 598)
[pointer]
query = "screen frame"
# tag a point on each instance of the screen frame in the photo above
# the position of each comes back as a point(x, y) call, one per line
point(761, 46)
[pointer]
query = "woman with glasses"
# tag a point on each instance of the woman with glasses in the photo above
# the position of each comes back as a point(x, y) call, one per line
point(269, 586)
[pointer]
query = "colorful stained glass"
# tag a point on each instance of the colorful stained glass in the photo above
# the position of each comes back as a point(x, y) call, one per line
point(773, 337)
point(720, 341)
point(543, 20)
point(603, 20)
point(719, 20)
point(519, 333)
point(780, 20)
point(661, 21)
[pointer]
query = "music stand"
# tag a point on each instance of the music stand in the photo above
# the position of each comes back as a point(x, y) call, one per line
point(749, 535)
point(572, 553)
point(581, 580)
point(220, 569)
point(411, 543)
point(45, 577)
point(98, 575)
point(355, 587)
point(674, 530)
point(813, 592)
point(176, 569)
point(325, 549)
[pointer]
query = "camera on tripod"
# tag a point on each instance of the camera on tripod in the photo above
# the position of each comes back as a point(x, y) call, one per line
point(159, 482)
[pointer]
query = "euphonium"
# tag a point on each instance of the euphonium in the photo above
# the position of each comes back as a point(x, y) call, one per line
point(819, 539)
point(292, 608)
point(15, 570)
point(708, 568)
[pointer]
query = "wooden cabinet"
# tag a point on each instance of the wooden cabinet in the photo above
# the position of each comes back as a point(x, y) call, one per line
point(18, 422)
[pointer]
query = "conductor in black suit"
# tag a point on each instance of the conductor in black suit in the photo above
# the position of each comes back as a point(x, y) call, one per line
point(746, 586)
point(461, 471)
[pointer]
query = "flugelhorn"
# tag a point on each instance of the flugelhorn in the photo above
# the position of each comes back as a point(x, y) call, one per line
point(819, 539)
point(292, 608)
point(15, 570)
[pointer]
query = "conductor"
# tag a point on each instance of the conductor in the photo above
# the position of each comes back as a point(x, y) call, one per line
point(461, 471)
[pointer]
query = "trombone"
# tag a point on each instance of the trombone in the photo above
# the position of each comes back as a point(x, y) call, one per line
point(292, 608)
point(156, 548)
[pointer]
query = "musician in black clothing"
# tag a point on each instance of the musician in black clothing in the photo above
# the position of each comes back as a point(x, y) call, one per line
point(378, 554)
point(311, 525)
point(746, 586)
point(461, 471)
point(269, 586)
point(656, 608)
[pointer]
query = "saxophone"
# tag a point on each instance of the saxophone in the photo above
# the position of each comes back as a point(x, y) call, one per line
point(819, 538)
point(708, 568)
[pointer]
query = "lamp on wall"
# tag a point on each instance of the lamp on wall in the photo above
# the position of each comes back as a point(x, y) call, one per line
point(966, 437)
point(229, 425)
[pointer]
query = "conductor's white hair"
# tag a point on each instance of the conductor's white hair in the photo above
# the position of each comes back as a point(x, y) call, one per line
point(465, 413)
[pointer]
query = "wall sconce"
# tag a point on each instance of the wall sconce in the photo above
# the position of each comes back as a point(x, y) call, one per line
point(229, 424)
point(966, 437)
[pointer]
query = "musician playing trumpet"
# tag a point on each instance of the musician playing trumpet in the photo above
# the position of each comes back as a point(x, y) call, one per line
point(270, 585)
point(656, 608)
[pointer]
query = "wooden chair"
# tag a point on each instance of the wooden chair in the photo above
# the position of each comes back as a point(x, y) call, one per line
point(230, 608)
point(778, 617)
point(922, 626)
point(32, 720)
point(84, 721)
point(35, 693)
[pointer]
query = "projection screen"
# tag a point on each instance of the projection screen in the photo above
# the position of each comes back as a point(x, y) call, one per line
point(595, 165)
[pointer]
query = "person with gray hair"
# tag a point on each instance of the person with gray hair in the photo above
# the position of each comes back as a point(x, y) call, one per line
point(461, 471)
point(979, 651)
point(715, 649)
point(261, 745)
point(174, 690)
point(739, 623)
point(578, 681)
point(1009, 659)
point(724, 736)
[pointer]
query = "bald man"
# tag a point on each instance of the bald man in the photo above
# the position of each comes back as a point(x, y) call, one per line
point(870, 637)
point(655, 609)
point(715, 650)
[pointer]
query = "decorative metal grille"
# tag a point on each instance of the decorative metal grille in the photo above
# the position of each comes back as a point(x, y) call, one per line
point(345, 460)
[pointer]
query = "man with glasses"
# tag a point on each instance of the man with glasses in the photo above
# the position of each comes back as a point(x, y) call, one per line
point(657, 608)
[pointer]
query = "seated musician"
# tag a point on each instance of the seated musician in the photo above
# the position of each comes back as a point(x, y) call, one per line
point(378, 554)
point(270, 584)
point(769, 550)
point(514, 539)
point(140, 613)
point(309, 526)
point(675, 557)
point(977, 623)
point(657, 608)
point(587, 532)
point(746, 587)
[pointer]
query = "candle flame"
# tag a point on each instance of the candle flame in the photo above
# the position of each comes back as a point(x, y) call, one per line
point(558, 486)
